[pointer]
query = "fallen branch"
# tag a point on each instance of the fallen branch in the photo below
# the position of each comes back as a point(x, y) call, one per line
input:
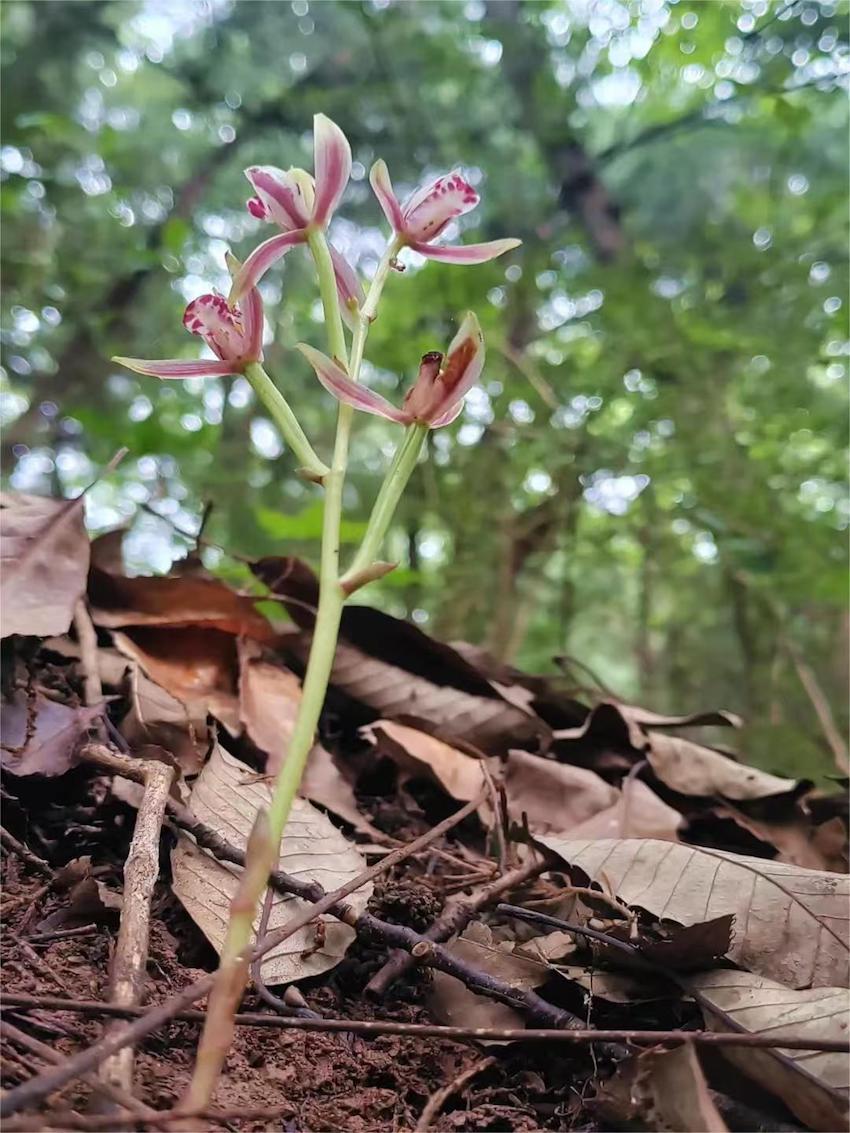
point(453, 920)
point(18, 1002)
point(141, 871)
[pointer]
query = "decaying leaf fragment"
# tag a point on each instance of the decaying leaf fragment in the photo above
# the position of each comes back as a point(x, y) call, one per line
point(815, 1085)
point(226, 796)
point(790, 923)
point(417, 753)
point(451, 1000)
point(40, 735)
point(44, 561)
point(678, 1097)
point(553, 796)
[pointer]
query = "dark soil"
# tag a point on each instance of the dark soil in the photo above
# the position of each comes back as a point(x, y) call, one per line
point(286, 1080)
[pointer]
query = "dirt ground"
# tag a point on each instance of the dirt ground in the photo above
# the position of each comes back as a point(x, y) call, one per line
point(286, 1080)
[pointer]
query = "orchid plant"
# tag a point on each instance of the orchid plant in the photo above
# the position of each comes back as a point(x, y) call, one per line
point(302, 207)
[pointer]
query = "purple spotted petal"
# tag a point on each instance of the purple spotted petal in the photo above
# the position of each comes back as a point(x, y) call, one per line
point(379, 177)
point(280, 195)
point(174, 368)
point(430, 208)
point(466, 253)
point(338, 383)
point(332, 160)
point(261, 259)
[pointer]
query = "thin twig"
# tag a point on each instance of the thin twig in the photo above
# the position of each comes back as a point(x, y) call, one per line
point(452, 920)
point(25, 853)
point(87, 637)
point(141, 870)
point(438, 1099)
point(12, 1000)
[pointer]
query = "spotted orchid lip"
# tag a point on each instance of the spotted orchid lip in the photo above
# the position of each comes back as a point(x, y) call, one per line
point(427, 213)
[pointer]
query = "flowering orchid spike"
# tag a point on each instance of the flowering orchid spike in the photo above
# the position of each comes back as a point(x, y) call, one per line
point(233, 334)
point(294, 201)
point(428, 211)
point(436, 397)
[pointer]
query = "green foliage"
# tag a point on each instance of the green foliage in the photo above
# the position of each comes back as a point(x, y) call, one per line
point(652, 477)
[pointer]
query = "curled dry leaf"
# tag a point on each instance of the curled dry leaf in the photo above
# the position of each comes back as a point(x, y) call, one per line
point(226, 796)
point(415, 752)
point(677, 1097)
point(44, 561)
point(196, 666)
point(692, 769)
point(41, 736)
point(790, 923)
point(815, 1085)
point(554, 796)
point(187, 600)
point(637, 813)
point(684, 766)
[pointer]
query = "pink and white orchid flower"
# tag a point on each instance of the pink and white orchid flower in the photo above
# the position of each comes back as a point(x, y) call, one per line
point(436, 397)
point(298, 204)
point(425, 214)
point(234, 334)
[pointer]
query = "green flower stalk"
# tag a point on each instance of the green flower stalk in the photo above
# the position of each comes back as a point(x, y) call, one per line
point(301, 206)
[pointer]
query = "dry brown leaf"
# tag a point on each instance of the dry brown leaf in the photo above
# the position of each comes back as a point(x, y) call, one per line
point(486, 721)
point(798, 840)
point(637, 813)
point(815, 1085)
point(197, 666)
point(460, 775)
point(41, 736)
point(554, 796)
point(226, 795)
point(790, 923)
point(117, 602)
point(44, 562)
point(269, 700)
point(403, 674)
point(453, 1003)
point(678, 1097)
point(692, 769)
point(684, 766)
point(156, 717)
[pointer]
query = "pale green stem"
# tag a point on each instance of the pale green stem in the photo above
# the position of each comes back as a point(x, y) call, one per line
point(391, 491)
point(280, 412)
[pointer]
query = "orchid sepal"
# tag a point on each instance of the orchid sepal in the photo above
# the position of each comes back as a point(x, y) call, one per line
point(176, 368)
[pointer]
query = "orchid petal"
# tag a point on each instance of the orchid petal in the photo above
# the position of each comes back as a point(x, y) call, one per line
point(348, 287)
point(465, 253)
point(379, 178)
point(281, 195)
point(431, 208)
point(447, 417)
point(175, 368)
point(261, 259)
point(332, 162)
point(337, 382)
